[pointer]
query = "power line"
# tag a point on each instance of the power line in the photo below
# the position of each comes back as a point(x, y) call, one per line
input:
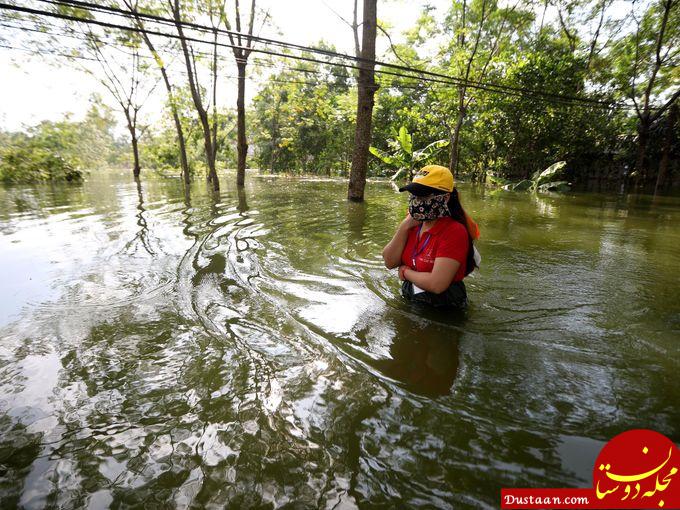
point(391, 85)
point(255, 62)
point(171, 22)
point(34, 52)
point(448, 80)
point(183, 73)
point(460, 81)
point(196, 26)
point(474, 84)
point(70, 36)
point(164, 34)
point(173, 36)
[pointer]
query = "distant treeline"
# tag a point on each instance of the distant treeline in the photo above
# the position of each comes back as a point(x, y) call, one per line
point(62, 150)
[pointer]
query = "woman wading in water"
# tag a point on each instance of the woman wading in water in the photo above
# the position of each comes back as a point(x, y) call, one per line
point(433, 247)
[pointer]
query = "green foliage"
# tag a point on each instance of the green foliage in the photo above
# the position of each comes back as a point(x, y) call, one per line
point(402, 157)
point(160, 151)
point(60, 150)
point(559, 186)
point(522, 185)
point(498, 181)
point(515, 136)
point(26, 161)
point(409, 103)
point(304, 126)
point(632, 59)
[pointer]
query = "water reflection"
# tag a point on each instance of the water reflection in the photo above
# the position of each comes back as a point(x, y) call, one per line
point(142, 236)
point(180, 348)
point(242, 199)
point(425, 361)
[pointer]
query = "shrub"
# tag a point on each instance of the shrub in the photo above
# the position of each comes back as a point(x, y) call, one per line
point(25, 161)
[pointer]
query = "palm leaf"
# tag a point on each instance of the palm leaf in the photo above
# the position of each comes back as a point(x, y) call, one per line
point(550, 173)
point(521, 185)
point(429, 150)
point(559, 186)
point(383, 156)
point(405, 140)
point(399, 173)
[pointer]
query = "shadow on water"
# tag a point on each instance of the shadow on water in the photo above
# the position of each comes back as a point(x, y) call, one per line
point(427, 363)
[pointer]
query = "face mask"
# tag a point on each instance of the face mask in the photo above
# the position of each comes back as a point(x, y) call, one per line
point(428, 208)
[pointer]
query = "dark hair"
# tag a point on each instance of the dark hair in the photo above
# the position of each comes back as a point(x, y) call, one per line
point(458, 214)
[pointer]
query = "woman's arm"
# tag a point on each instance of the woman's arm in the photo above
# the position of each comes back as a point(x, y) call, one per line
point(392, 251)
point(438, 280)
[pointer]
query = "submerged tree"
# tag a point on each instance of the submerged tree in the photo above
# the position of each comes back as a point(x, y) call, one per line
point(129, 96)
point(178, 10)
point(304, 124)
point(365, 101)
point(242, 45)
point(133, 7)
point(645, 68)
point(60, 150)
point(482, 32)
point(111, 57)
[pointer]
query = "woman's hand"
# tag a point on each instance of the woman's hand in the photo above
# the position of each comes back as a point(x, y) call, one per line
point(402, 272)
point(409, 222)
point(392, 251)
point(439, 279)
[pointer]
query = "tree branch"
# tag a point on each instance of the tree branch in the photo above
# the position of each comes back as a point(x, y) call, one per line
point(668, 104)
point(394, 50)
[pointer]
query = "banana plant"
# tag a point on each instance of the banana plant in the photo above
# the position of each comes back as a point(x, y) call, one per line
point(401, 155)
point(542, 181)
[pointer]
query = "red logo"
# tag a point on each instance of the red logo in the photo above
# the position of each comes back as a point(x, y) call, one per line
point(636, 469)
point(639, 466)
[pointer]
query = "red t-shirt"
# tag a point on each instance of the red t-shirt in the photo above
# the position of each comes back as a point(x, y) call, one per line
point(447, 238)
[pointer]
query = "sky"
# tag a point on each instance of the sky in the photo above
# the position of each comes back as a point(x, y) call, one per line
point(33, 91)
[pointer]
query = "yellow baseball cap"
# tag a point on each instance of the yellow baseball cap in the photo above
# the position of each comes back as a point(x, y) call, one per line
point(430, 179)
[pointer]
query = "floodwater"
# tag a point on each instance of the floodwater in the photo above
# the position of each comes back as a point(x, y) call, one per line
point(249, 350)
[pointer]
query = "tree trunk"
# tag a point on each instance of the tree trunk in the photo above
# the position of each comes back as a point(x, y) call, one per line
point(136, 169)
point(643, 140)
point(183, 160)
point(367, 88)
point(668, 143)
point(132, 128)
point(645, 117)
point(273, 160)
point(196, 96)
point(213, 155)
point(242, 143)
point(275, 151)
point(209, 151)
point(455, 137)
point(242, 200)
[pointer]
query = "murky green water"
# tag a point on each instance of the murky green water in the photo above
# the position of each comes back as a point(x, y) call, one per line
point(250, 350)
